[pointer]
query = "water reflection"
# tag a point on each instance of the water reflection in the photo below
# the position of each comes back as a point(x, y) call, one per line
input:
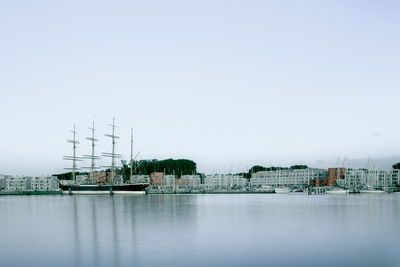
point(200, 230)
point(94, 233)
point(97, 226)
point(116, 255)
point(75, 224)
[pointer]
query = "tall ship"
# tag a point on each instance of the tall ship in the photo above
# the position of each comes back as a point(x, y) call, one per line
point(100, 182)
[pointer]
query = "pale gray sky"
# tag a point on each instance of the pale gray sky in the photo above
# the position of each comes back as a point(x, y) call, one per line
point(228, 84)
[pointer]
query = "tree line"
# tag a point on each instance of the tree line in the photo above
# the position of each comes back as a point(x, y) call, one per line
point(177, 167)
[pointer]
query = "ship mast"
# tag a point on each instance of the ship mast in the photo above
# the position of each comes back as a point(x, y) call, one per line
point(92, 157)
point(73, 158)
point(112, 155)
point(131, 163)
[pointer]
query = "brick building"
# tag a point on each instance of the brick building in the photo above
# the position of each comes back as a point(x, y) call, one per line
point(335, 174)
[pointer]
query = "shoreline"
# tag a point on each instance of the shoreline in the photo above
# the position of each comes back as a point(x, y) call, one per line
point(29, 193)
point(204, 193)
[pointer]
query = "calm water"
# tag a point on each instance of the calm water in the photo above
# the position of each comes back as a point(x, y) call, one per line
point(200, 230)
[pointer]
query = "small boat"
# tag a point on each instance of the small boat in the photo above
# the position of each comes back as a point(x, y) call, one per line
point(371, 190)
point(337, 190)
point(298, 190)
point(265, 189)
point(354, 190)
point(282, 190)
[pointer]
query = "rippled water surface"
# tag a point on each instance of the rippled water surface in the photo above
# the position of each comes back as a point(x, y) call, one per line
point(200, 230)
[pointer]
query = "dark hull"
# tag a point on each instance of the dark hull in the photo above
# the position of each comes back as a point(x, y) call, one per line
point(102, 188)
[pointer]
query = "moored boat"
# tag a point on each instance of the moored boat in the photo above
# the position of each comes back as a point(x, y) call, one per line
point(265, 189)
point(298, 190)
point(337, 190)
point(94, 185)
point(282, 190)
point(87, 189)
point(371, 190)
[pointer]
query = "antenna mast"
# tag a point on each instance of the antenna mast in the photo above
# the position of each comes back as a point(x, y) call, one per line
point(112, 155)
point(92, 157)
point(74, 158)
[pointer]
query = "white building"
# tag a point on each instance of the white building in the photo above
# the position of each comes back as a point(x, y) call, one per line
point(375, 178)
point(169, 180)
point(224, 181)
point(3, 181)
point(44, 183)
point(297, 177)
point(237, 181)
point(20, 183)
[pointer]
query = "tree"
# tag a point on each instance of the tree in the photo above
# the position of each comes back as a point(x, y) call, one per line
point(125, 171)
point(396, 166)
point(298, 167)
point(168, 166)
point(257, 168)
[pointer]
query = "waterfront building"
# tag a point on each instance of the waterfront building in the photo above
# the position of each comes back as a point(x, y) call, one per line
point(336, 175)
point(297, 177)
point(19, 183)
point(319, 182)
point(169, 180)
point(215, 181)
point(182, 182)
point(162, 182)
point(28, 185)
point(362, 178)
point(24, 183)
point(224, 181)
point(191, 180)
point(44, 183)
point(237, 181)
point(2, 181)
point(156, 179)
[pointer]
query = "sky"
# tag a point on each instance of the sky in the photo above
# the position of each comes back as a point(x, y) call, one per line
point(228, 84)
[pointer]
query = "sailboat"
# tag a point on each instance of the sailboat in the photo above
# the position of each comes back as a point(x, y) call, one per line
point(281, 190)
point(372, 179)
point(100, 187)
